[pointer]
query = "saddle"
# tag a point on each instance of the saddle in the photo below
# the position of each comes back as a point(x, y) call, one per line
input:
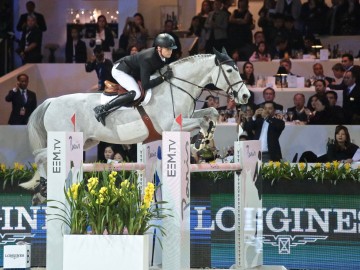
point(113, 89)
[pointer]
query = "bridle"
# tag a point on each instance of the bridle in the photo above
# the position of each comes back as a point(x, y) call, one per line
point(232, 93)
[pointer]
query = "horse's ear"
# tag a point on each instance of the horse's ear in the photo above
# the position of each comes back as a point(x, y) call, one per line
point(224, 51)
point(216, 51)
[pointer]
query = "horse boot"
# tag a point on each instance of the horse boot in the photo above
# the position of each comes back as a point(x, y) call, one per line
point(102, 111)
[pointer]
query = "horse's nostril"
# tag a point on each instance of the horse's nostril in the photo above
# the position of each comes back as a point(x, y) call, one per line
point(245, 96)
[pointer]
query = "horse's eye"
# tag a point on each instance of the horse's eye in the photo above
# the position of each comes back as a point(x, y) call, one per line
point(229, 70)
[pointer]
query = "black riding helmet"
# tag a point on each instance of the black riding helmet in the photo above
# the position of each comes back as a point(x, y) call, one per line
point(165, 41)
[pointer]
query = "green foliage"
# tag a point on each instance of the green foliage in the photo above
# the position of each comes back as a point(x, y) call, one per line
point(12, 177)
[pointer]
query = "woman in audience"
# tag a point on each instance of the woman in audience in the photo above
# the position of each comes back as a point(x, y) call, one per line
point(261, 53)
point(109, 153)
point(248, 74)
point(135, 32)
point(104, 34)
point(118, 157)
point(322, 114)
point(310, 109)
point(342, 149)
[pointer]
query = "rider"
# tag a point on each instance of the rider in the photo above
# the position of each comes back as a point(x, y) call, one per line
point(130, 69)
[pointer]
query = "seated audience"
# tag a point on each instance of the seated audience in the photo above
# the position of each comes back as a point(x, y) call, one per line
point(298, 111)
point(342, 149)
point(261, 53)
point(248, 73)
point(309, 110)
point(269, 96)
point(320, 89)
point(280, 49)
point(118, 157)
point(322, 114)
point(286, 63)
point(319, 74)
point(338, 71)
point(267, 128)
point(337, 110)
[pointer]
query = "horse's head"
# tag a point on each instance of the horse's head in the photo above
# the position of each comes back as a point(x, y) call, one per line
point(227, 77)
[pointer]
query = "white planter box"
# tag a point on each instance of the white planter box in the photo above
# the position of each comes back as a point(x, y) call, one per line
point(93, 252)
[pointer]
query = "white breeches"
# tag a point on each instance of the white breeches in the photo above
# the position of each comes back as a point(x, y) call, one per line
point(126, 81)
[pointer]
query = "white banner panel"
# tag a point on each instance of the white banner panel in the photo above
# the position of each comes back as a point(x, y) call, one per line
point(176, 191)
point(64, 162)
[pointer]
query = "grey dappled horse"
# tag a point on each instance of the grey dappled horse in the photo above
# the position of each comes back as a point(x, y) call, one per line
point(168, 100)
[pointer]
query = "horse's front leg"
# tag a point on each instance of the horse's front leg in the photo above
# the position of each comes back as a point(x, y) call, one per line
point(211, 115)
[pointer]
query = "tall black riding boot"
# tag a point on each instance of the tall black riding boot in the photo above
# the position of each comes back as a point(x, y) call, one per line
point(102, 111)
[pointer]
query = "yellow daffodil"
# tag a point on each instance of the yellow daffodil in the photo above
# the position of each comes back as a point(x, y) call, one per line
point(318, 165)
point(2, 167)
point(336, 164)
point(73, 191)
point(327, 165)
point(347, 166)
point(92, 183)
point(277, 164)
point(302, 166)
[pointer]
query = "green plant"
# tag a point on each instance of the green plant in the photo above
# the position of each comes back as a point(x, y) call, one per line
point(16, 175)
point(320, 172)
point(109, 203)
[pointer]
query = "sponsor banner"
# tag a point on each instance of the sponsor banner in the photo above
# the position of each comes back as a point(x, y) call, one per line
point(302, 231)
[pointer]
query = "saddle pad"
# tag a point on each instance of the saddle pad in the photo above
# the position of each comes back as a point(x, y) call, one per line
point(105, 99)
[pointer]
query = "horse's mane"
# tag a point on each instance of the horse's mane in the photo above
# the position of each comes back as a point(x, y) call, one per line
point(191, 59)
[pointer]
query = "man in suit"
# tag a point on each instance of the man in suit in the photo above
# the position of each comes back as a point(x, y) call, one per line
point(320, 90)
point(298, 111)
point(337, 110)
point(351, 98)
point(30, 7)
point(23, 101)
point(269, 96)
point(267, 128)
point(30, 43)
point(319, 74)
point(102, 66)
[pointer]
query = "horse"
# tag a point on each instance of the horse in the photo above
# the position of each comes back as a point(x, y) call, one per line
point(169, 100)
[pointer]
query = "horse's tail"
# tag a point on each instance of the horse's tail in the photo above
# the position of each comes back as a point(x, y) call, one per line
point(36, 127)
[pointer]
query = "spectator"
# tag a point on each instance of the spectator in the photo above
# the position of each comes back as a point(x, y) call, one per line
point(248, 73)
point(351, 98)
point(322, 114)
point(338, 71)
point(104, 35)
point(206, 8)
point(275, 30)
point(230, 108)
point(23, 101)
point(320, 89)
point(337, 111)
point(118, 157)
point(210, 101)
point(319, 74)
point(298, 111)
point(281, 48)
point(265, 20)
point(30, 43)
point(290, 8)
point(245, 119)
point(22, 23)
point(286, 63)
point(311, 108)
point(75, 49)
point(133, 50)
point(240, 26)
point(168, 28)
point(102, 66)
point(195, 27)
point(269, 96)
point(261, 54)
point(267, 128)
point(347, 60)
point(216, 25)
point(135, 33)
point(294, 36)
point(342, 150)
point(312, 15)
point(109, 153)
